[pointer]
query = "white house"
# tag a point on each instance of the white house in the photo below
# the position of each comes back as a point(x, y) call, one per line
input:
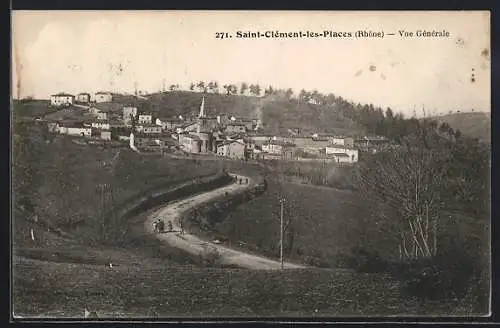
point(127, 113)
point(62, 99)
point(276, 147)
point(232, 149)
point(106, 135)
point(336, 150)
point(73, 130)
point(83, 98)
point(100, 125)
point(161, 123)
point(102, 116)
point(145, 119)
point(103, 97)
point(190, 143)
point(148, 129)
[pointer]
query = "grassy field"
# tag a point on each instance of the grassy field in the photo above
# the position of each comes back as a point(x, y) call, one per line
point(32, 108)
point(326, 224)
point(149, 289)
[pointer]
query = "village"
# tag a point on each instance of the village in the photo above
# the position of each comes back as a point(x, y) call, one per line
point(98, 119)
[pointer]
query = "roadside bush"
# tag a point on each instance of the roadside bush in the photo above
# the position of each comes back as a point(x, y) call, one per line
point(209, 256)
point(449, 274)
point(365, 261)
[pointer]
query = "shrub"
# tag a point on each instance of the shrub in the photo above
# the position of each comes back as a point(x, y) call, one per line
point(366, 261)
point(209, 256)
point(449, 274)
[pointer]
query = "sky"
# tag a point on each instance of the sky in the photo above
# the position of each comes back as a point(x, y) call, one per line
point(89, 51)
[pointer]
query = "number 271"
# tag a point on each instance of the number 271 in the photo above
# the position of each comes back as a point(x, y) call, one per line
point(221, 35)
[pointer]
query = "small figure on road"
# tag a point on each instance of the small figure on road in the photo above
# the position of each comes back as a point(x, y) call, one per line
point(160, 226)
point(170, 227)
point(246, 180)
point(239, 181)
point(181, 223)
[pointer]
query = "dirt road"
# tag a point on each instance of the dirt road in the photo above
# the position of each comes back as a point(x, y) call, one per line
point(194, 245)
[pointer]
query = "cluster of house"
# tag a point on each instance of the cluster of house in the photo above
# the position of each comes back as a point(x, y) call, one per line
point(223, 135)
point(66, 99)
point(238, 138)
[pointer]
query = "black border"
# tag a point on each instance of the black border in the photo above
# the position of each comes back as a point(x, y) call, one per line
point(309, 5)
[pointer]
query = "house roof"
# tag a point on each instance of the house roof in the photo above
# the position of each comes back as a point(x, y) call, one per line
point(188, 124)
point(192, 136)
point(62, 94)
point(73, 125)
point(84, 94)
point(373, 138)
point(103, 93)
point(228, 142)
point(149, 126)
point(280, 143)
point(340, 155)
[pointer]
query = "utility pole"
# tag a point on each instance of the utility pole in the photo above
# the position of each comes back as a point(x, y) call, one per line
point(282, 202)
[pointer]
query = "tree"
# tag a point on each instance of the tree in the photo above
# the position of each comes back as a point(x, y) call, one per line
point(210, 86)
point(233, 89)
point(404, 190)
point(243, 88)
point(269, 91)
point(304, 95)
point(288, 93)
point(255, 89)
point(389, 114)
point(173, 87)
point(201, 86)
point(192, 86)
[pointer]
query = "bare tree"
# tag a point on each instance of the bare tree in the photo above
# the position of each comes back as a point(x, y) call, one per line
point(404, 193)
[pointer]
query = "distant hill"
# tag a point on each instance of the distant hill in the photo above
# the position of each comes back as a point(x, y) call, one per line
point(477, 125)
point(276, 113)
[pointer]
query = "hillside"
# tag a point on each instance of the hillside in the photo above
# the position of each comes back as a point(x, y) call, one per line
point(276, 113)
point(477, 125)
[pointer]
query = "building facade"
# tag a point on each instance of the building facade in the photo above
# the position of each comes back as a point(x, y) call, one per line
point(190, 143)
point(106, 135)
point(100, 125)
point(101, 97)
point(128, 113)
point(62, 99)
point(235, 128)
point(83, 98)
point(335, 150)
point(145, 119)
point(231, 149)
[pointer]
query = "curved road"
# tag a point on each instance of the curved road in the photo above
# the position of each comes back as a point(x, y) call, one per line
point(194, 245)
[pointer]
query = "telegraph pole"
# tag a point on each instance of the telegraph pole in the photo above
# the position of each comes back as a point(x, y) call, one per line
point(282, 202)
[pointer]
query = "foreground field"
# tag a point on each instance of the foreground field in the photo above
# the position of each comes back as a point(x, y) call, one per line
point(159, 290)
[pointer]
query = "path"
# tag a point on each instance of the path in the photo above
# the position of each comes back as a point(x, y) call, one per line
point(194, 245)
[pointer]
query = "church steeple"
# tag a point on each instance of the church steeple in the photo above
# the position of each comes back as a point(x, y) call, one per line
point(202, 108)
